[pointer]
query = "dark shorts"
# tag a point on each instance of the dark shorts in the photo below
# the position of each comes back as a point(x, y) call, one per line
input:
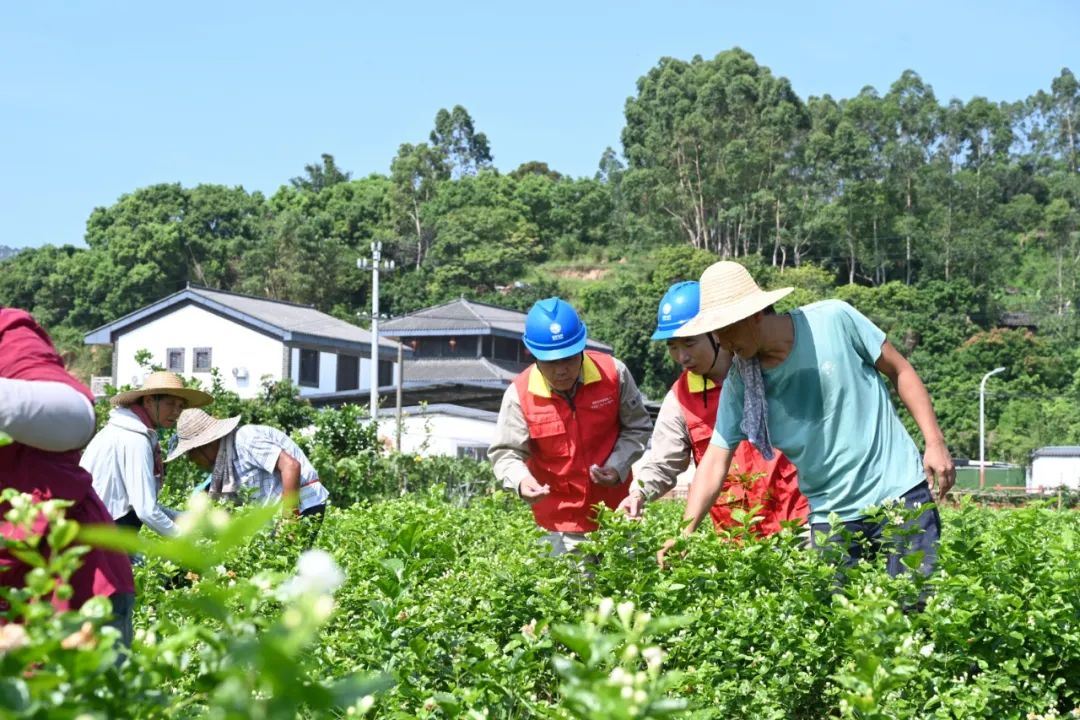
point(865, 538)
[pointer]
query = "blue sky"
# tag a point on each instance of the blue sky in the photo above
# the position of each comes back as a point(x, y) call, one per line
point(100, 98)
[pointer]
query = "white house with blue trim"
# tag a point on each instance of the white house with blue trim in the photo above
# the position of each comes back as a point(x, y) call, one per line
point(248, 339)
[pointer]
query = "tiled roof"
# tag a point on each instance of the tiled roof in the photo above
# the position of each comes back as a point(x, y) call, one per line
point(459, 316)
point(301, 319)
point(1057, 451)
point(463, 317)
point(465, 370)
point(289, 321)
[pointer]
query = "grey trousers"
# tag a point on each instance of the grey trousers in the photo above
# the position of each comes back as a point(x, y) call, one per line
point(123, 605)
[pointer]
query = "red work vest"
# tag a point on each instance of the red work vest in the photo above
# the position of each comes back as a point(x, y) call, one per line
point(752, 480)
point(26, 353)
point(565, 439)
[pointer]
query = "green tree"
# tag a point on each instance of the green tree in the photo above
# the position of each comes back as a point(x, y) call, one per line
point(456, 138)
point(415, 173)
point(706, 143)
point(320, 176)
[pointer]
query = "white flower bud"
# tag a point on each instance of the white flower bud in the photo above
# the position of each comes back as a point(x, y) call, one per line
point(603, 612)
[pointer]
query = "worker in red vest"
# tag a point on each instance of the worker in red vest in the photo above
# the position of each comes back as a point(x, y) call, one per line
point(569, 428)
point(684, 428)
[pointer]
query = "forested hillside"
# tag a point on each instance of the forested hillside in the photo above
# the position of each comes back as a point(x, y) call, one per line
point(952, 223)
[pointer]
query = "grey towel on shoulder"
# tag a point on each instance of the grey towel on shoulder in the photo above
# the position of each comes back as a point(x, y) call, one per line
point(755, 419)
point(223, 482)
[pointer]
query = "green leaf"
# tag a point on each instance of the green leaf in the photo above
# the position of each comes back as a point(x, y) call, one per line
point(914, 560)
point(14, 694)
point(62, 534)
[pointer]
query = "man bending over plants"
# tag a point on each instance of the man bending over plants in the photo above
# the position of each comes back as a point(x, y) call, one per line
point(257, 458)
point(569, 428)
point(809, 382)
point(685, 424)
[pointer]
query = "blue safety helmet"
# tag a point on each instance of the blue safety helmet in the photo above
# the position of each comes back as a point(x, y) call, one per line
point(553, 330)
point(679, 304)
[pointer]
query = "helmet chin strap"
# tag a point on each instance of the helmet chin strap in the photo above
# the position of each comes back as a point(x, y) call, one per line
point(715, 349)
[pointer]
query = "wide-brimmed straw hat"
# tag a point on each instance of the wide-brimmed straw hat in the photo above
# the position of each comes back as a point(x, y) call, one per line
point(163, 382)
point(196, 428)
point(728, 295)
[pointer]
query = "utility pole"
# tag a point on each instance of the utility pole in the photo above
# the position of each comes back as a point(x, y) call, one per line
point(982, 425)
point(377, 265)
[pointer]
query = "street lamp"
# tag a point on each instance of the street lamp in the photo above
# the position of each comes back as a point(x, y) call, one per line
point(377, 265)
point(982, 425)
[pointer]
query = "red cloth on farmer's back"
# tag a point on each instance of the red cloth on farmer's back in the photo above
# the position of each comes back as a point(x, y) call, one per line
point(27, 353)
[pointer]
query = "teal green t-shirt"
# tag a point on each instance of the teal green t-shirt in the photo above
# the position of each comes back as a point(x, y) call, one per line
point(830, 412)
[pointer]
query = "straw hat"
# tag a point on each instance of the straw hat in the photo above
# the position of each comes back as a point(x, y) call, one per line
point(728, 295)
point(196, 428)
point(163, 382)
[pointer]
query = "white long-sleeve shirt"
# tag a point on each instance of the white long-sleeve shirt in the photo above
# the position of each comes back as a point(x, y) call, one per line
point(44, 414)
point(121, 460)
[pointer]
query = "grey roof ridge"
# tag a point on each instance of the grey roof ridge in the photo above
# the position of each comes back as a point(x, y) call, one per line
point(135, 312)
point(469, 306)
point(197, 287)
point(220, 305)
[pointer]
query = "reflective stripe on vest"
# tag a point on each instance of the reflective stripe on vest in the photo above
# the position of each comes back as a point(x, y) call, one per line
point(698, 399)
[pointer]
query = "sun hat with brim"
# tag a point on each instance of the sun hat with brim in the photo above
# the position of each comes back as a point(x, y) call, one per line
point(196, 428)
point(728, 295)
point(163, 382)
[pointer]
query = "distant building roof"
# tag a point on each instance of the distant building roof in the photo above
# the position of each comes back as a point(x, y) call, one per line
point(1057, 451)
point(472, 371)
point(463, 317)
point(290, 322)
point(1017, 320)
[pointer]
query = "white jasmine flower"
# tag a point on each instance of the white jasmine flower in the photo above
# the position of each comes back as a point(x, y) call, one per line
point(654, 656)
point(604, 611)
point(316, 573)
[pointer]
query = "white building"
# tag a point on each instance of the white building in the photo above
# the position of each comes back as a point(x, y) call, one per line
point(441, 429)
point(247, 339)
point(1053, 467)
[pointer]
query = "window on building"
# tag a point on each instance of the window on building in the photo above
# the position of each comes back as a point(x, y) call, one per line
point(203, 360)
point(174, 360)
point(473, 452)
point(506, 349)
point(348, 372)
point(309, 368)
point(386, 373)
point(454, 347)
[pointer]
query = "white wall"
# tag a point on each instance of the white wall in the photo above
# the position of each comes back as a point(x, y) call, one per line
point(1047, 473)
point(442, 433)
point(189, 327)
